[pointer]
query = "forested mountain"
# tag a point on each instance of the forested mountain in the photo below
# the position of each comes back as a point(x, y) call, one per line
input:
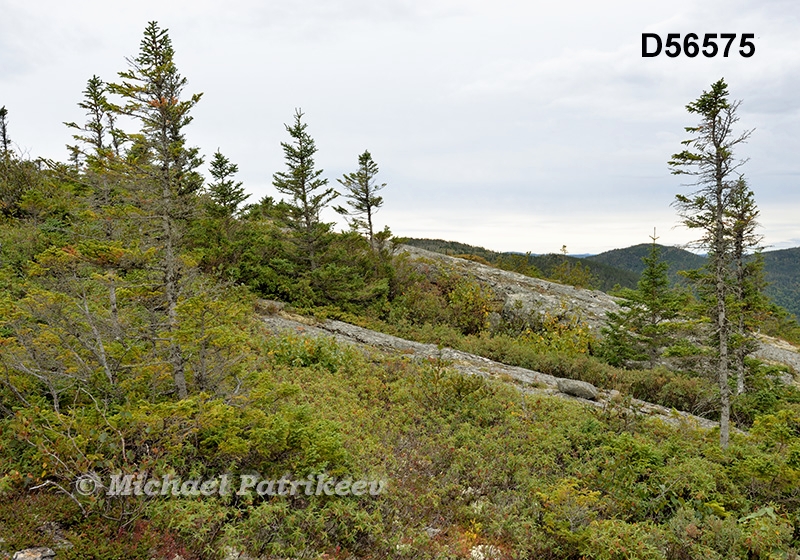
point(781, 269)
point(452, 248)
point(630, 259)
point(608, 277)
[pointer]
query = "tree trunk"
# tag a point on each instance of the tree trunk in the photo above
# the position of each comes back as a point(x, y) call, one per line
point(112, 302)
point(100, 349)
point(740, 352)
point(722, 365)
point(722, 312)
point(171, 278)
point(369, 225)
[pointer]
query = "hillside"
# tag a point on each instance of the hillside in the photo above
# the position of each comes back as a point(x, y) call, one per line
point(525, 380)
point(517, 294)
point(605, 277)
point(186, 376)
point(781, 268)
point(622, 267)
point(472, 449)
point(452, 248)
point(630, 259)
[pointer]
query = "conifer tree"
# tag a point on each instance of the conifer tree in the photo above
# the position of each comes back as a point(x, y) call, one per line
point(225, 191)
point(98, 146)
point(362, 195)
point(708, 156)
point(99, 134)
point(749, 302)
point(307, 189)
point(573, 274)
point(152, 90)
point(660, 302)
point(644, 328)
point(5, 141)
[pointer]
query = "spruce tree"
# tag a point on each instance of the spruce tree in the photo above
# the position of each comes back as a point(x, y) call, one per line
point(152, 90)
point(362, 195)
point(5, 141)
point(660, 304)
point(307, 188)
point(749, 302)
point(226, 192)
point(708, 156)
point(99, 139)
point(99, 142)
point(644, 327)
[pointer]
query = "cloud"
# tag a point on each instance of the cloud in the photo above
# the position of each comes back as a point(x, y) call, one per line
point(489, 111)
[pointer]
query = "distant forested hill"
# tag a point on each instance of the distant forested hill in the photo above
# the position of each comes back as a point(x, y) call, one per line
point(783, 274)
point(630, 259)
point(546, 265)
point(782, 269)
point(608, 277)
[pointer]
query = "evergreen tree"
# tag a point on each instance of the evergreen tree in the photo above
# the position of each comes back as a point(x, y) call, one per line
point(660, 303)
point(644, 328)
point(362, 195)
point(573, 273)
point(217, 232)
point(17, 177)
point(307, 189)
point(99, 144)
point(152, 90)
point(99, 134)
point(749, 302)
point(5, 141)
point(708, 156)
point(226, 192)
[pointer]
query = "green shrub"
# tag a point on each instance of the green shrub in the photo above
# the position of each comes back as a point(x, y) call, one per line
point(614, 539)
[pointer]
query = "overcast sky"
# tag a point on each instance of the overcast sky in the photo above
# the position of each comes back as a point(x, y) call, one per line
point(510, 124)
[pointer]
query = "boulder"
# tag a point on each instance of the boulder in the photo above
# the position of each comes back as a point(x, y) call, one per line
point(576, 388)
point(485, 552)
point(39, 553)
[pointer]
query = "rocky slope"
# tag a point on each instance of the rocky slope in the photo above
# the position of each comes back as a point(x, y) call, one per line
point(515, 294)
point(526, 380)
point(521, 294)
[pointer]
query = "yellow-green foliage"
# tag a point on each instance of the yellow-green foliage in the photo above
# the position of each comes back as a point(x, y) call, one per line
point(530, 476)
point(428, 295)
point(554, 334)
point(615, 539)
point(533, 476)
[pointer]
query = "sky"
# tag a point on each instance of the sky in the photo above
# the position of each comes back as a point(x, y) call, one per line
point(510, 124)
